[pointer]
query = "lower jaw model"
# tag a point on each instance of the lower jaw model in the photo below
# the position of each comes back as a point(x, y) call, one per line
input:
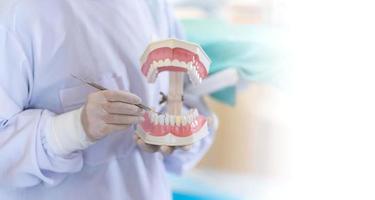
point(174, 128)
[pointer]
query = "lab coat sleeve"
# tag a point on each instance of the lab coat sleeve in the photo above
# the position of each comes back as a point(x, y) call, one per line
point(25, 158)
point(180, 161)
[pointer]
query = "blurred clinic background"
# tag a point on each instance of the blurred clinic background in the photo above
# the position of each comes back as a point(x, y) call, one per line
point(245, 90)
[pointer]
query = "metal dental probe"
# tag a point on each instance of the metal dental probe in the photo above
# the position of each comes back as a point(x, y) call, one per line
point(99, 87)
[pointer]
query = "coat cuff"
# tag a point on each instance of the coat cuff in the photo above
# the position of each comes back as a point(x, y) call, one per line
point(66, 133)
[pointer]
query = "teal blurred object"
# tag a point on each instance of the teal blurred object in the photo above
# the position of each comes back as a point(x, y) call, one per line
point(197, 188)
point(248, 48)
point(187, 196)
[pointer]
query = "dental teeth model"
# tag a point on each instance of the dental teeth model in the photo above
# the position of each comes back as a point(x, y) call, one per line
point(177, 57)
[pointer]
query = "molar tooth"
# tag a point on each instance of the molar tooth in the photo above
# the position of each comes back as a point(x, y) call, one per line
point(196, 74)
point(189, 66)
point(154, 75)
point(196, 79)
point(196, 114)
point(178, 120)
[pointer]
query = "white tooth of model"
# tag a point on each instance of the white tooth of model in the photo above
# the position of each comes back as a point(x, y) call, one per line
point(149, 74)
point(154, 63)
point(178, 120)
point(184, 64)
point(161, 119)
point(172, 120)
point(175, 63)
point(183, 120)
point(196, 114)
point(190, 118)
point(167, 62)
point(167, 119)
point(178, 64)
point(189, 66)
point(154, 75)
point(156, 120)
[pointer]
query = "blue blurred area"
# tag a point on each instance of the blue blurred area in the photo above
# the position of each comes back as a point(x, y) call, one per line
point(198, 187)
point(187, 196)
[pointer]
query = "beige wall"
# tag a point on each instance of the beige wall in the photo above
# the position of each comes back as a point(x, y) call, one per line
point(247, 132)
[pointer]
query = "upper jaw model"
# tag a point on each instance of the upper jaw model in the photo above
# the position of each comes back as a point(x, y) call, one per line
point(174, 128)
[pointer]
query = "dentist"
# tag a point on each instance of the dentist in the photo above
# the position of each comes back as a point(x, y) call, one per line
point(60, 139)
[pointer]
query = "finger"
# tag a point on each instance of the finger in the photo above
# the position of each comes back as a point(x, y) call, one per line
point(122, 119)
point(166, 150)
point(114, 127)
point(186, 147)
point(122, 96)
point(147, 147)
point(122, 108)
point(108, 129)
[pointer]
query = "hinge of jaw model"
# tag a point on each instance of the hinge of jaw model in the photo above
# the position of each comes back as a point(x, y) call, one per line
point(177, 57)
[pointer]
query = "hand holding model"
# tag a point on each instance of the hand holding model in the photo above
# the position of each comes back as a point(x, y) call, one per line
point(104, 112)
point(109, 111)
point(164, 149)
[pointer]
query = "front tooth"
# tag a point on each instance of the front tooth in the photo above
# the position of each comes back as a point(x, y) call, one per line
point(183, 120)
point(184, 64)
point(154, 64)
point(178, 120)
point(167, 62)
point(172, 120)
point(175, 63)
point(167, 119)
point(161, 119)
point(160, 63)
